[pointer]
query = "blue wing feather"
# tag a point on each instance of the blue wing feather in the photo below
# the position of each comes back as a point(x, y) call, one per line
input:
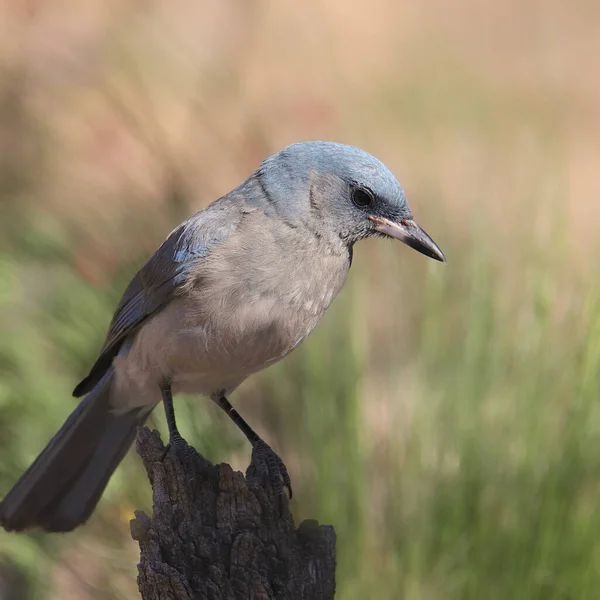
point(157, 281)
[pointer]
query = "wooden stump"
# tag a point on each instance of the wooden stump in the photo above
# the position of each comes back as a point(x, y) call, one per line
point(216, 534)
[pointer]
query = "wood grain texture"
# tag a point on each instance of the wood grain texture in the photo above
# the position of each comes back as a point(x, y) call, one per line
point(218, 535)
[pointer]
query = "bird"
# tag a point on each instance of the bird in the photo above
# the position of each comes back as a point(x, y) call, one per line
point(232, 290)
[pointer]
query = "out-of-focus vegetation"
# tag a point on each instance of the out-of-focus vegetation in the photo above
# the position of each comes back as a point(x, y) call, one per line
point(445, 419)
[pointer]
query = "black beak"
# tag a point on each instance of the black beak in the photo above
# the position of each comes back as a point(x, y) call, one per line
point(411, 234)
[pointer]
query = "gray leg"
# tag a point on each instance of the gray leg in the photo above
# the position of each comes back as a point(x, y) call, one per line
point(181, 447)
point(269, 462)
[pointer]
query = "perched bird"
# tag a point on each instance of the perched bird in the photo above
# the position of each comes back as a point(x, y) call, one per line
point(231, 291)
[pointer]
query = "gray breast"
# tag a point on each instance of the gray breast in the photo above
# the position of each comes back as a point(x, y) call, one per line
point(263, 293)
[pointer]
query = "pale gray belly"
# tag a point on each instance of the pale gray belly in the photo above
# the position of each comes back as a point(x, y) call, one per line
point(206, 354)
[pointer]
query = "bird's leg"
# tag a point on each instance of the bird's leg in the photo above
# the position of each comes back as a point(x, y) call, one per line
point(176, 442)
point(270, 463)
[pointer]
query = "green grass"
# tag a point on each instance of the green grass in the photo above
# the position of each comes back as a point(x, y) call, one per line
point(457, 454)
point(448, 430)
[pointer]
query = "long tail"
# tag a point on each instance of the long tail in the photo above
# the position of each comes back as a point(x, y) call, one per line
point(61, 488)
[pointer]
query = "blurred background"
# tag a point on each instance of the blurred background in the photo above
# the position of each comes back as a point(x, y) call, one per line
point(444, 418)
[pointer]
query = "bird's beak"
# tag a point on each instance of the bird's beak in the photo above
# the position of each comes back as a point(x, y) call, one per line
point(411, 234)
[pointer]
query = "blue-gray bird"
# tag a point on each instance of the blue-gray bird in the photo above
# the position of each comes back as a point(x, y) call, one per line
point(231, 291)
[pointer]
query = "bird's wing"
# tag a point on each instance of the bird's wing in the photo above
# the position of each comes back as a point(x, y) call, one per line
point(159, 280)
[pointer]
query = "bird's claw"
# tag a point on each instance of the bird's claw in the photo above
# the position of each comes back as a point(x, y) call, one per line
point(182, 449)
point(271, 468)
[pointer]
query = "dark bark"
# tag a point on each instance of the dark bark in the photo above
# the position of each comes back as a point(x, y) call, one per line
point(218, 535)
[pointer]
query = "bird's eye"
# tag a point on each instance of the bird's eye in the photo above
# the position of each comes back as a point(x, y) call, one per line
point(362, 197)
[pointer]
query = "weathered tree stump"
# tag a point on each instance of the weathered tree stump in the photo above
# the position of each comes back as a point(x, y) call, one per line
point(216, 534)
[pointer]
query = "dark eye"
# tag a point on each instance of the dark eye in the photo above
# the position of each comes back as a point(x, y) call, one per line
point(362, 197)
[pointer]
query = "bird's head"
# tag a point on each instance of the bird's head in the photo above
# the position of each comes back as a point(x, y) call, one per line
point(342, 189)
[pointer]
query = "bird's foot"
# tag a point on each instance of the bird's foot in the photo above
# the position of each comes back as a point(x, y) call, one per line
point(271, 468)
point(183, 451)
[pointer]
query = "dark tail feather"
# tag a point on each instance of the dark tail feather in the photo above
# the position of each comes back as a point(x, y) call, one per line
point(61, 488)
